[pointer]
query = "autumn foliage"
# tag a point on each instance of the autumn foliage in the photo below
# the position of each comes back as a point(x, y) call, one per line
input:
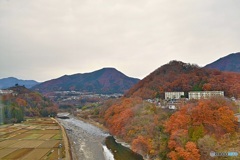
point(24, 102)
point(179, 76)
point(140, 124)
point(118, 115)
point(141, 145)
point(188, 152)
point(195, 120)
point(190, 133)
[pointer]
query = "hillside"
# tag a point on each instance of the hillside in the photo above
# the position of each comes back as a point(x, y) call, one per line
point(179, 76)
point(104, 81)
point(11, 81)
point(24, 102)
point(191, 132)
point(230, 63)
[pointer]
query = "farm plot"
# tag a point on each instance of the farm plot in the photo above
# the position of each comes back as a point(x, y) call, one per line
point(4, 152)
point(17, 154)
point(34, 139)
point(36, 153)
point(26, 144)
point(8, 142)
point(46, 136)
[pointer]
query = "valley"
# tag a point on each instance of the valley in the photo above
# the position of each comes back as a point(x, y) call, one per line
point(179, 110)
point(119, 80)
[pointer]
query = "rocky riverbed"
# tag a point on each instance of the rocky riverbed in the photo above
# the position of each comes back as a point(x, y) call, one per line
point(86, 140)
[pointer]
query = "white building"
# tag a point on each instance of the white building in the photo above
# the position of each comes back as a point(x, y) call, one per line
point(173, 95)
point(204, 94)
point(2, 92)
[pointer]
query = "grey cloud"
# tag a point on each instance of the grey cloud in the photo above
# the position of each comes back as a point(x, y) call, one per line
point(46, 39)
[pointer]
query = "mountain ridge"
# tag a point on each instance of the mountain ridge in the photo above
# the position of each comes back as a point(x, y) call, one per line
point(105, 80)
point(12, 81)
point(229, 63)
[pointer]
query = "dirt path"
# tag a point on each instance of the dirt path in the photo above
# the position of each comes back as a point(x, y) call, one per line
point(68, 155)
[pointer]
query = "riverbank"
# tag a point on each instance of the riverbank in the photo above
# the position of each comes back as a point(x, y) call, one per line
point(102, 127)
point(86, 140)
point(96, 124)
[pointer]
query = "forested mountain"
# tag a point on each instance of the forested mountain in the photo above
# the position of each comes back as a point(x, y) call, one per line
point(193, 131)
point(24, 102)
point(179, 76)
point(230, 63)
point(11, 81)
point(106, 81)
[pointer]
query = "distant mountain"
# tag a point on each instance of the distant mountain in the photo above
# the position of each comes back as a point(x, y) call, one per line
point(105, 81)
point(230, 63)
point(11, 81)
point(179, 76)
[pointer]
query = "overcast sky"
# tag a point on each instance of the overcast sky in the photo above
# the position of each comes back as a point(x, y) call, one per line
point(45, 39)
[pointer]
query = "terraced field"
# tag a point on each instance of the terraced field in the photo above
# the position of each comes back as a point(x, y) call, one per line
point(34, 139)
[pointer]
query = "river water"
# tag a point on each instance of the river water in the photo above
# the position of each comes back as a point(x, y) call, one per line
point(90, 143)
point(119, 151)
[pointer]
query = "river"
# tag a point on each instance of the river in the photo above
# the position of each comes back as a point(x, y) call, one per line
point(88, 142)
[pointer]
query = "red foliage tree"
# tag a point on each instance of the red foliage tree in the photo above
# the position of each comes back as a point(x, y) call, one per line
point(212, 116)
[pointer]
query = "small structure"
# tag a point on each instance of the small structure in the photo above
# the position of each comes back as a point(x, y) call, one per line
point(4, 92)
point(204, 94)
point(172, 106)
point(64, 115)
point(1, 113)
point(173, 95)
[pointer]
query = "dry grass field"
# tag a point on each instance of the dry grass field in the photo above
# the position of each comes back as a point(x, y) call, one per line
point(34, 139)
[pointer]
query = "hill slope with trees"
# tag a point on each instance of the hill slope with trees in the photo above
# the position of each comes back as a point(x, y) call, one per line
point(24, 102)
point(179, 76)
point(192, 132)
point(198, 127)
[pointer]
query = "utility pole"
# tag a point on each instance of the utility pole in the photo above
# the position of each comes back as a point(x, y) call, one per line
point(59, 151)
point(1, 111)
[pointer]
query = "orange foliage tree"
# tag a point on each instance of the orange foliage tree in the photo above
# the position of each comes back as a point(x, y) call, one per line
point(21, 102)
point(118, 115)
point(141, 145)
point(189, 152)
